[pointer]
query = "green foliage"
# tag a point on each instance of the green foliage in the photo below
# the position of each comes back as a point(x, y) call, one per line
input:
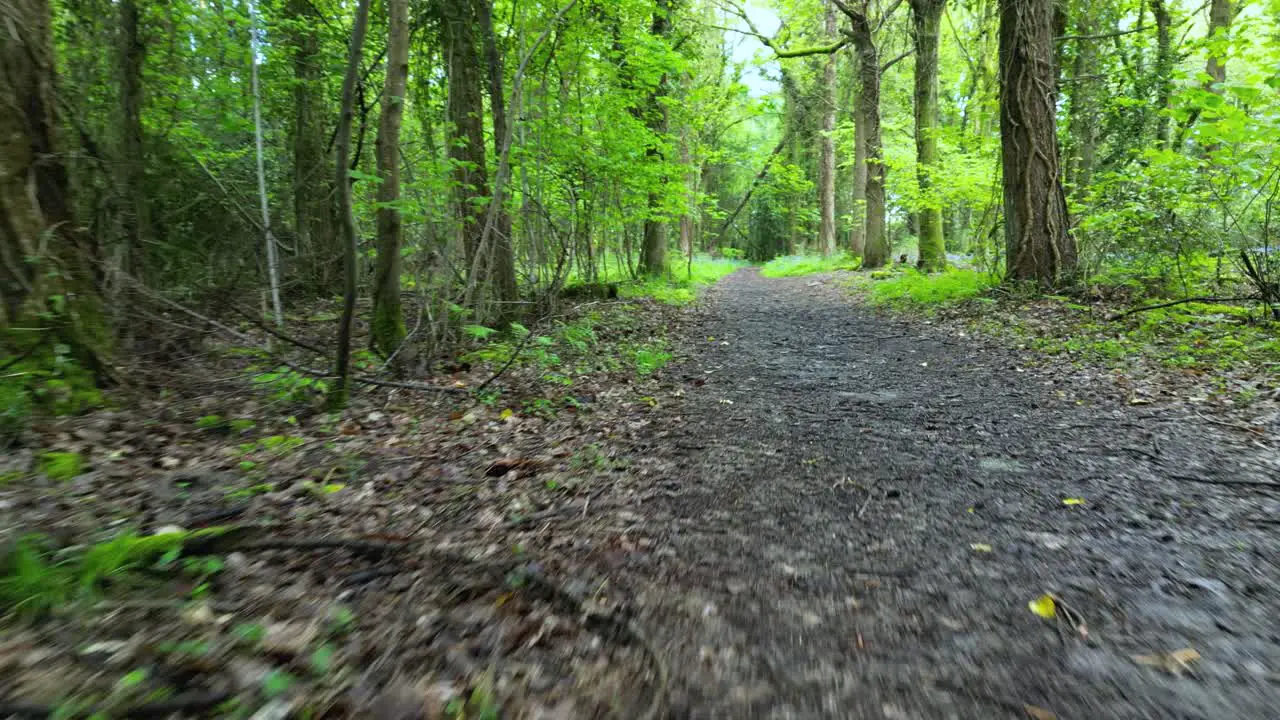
point(650, 358)
point(797, 265)
point(290, 386)
point(60, 466)
point(682, 285)
point(916, 289)
point(35, 577)
point(48, 381)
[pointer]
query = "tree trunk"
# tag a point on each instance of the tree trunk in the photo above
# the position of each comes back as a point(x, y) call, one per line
point(48, 273)
point(1164, 69)
point(312, 204)
point(876, 250)
point(653, 253)
point(827, 157)
point(1083, 120)
point(926, 16)
point(504, 287)
point(1038, 244)
point(342, 141)
point(273, 263)
point(1219, 25)
point(137, 221)
point(387, 331)
point(465, 127)
point(858, 225)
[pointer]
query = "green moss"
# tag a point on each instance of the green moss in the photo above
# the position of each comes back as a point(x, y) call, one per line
point(387, 331)
point(60, 466)
point(797, 265)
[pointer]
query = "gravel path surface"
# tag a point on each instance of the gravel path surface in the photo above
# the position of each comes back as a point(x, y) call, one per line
point(856, 512)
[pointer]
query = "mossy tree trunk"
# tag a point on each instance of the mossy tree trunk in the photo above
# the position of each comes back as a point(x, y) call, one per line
point(926, 16)
point(503, 285)
point(312, 199)
point(48, 269)
point(1038, 245)
point(876, 250)
point(827, 148)
point(653, 251)
point(388, 329)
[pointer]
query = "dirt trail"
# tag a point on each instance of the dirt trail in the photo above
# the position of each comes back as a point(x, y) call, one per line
point(824, 491)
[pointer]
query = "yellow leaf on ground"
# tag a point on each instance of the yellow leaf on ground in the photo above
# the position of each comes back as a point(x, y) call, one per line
point(1035, 712)
point(1044, 606)
point(506, 414)
point(980, 547)
point(1073, 501)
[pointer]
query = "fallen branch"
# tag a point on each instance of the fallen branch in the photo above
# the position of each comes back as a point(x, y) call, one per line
point(1183, 301)
point(510, 361)
point(279, 335)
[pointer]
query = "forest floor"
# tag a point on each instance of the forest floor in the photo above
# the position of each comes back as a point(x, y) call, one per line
point(819, 510)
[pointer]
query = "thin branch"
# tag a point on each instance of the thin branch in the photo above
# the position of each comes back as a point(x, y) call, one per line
point(905, 54)
point(1183, 301)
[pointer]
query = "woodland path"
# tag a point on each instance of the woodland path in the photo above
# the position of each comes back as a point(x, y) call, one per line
point(822, 490)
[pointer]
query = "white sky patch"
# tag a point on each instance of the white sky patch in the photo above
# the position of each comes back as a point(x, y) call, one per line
point(746, 47)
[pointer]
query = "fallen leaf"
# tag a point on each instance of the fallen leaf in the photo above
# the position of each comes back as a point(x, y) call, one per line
point(980, 547)
point(1073, 501)
point(1174, 663)
point(1044, 606)
point(1038, 713)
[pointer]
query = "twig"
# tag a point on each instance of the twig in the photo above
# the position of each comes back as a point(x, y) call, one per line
point(1183, 301)
point(1234, 426)
point(510, 361)
point(274, 332)
point(1241, 483)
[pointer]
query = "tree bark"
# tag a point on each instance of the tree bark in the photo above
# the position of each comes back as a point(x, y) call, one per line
point(137, 221)
point(342, 142)
point(827, 156)
point(926, 16)
point(465, 126)
point(876, 250)
point(388, 331)
point(1038, 244)
point(273, 263)
point(312, 204)
point(48, 270)
point(858, 211)
point(1165, 61)
point(1083, 120)
point(504, 287)
point(653, 251)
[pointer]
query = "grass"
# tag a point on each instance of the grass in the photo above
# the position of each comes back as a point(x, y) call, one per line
point(681, 285)
point(61, 466)
point(797, 265)
point(913, 289)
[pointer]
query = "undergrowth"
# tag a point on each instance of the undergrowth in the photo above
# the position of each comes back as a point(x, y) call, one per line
point(796, 265)
point(683, 281)
point(36, 577)
point(913, 289)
